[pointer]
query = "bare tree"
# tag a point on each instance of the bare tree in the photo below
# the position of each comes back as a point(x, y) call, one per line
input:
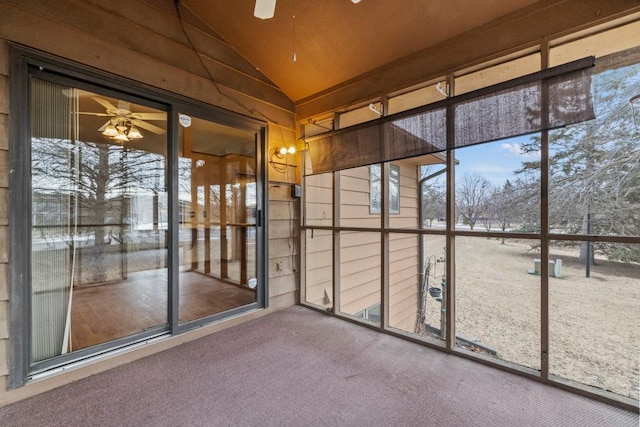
point(594, 182)
point(472, 194)
point(489, 209)
point(434, 203)
point(512, 203)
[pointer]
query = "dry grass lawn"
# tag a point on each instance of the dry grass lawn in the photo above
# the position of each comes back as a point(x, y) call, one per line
point(594, 324)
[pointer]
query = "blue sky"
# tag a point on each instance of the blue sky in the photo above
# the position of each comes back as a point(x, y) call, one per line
point(496, 161)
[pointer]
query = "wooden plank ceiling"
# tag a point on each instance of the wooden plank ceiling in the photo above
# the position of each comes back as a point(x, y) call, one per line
point(335, 41)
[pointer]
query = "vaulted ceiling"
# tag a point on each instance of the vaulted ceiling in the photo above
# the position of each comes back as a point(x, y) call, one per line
point(335, 41)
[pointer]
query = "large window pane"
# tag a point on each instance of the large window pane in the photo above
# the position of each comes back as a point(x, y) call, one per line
point(600, 44)
point(420, 192)
point(416, 98)
point(217, 196)
point(433, 196)
point(594, 314)
point(594, 185)
point(360, 115)
point(360, 274)
point(99, 208)
point(498, 186)
point(360, 197)
point(318, 199)
point(497, 73)
point(393, 188)
point(404, 282)
point(319, 267)
point(498, 298)
point(417, 285)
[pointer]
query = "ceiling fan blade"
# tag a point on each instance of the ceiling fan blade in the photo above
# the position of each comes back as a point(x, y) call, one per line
point(265, 9)
point(149, 116)
point(95, 114)
point(106, 104)
point(104, 126)
point(148, 126)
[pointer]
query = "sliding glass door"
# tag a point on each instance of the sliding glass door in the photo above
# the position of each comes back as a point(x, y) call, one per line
point(134, 215)
point(99, 219)
point(218, 208)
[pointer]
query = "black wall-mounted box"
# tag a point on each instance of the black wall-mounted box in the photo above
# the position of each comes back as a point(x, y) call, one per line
point(296, 191)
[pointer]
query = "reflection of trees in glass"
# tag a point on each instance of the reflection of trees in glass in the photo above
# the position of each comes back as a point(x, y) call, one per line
point(98, 180)
point(375, 189)
point(434, 194)
point(375, 198)
point(594, 185)
point(394, 189)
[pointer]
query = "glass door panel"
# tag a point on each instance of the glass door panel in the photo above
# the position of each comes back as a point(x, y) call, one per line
point(99, 219)
point(218, 205)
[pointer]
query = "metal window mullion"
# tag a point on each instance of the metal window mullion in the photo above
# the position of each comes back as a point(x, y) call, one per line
point(453, 100)
point(384, 245)
point(336, 241)
point(262, 226)
point(19, 256)
point(174, 221)
point(450, 327)
point(302, 240)
point(544, 219)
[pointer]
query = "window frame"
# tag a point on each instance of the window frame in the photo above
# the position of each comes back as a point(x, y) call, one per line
point(375, 194)
point(450, 233)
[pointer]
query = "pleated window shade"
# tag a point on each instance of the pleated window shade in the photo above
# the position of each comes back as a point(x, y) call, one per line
point(549, 99)
point(51, 275)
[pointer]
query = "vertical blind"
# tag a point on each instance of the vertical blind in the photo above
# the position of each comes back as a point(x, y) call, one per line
point(50, 258)
point(549, 99)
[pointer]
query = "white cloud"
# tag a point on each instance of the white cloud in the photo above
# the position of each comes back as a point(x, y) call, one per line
point(516, 150)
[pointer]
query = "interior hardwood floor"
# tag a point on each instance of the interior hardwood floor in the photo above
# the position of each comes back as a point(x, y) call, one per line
point(105, 312)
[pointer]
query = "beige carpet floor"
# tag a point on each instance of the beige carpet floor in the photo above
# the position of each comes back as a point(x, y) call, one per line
point(298, 367)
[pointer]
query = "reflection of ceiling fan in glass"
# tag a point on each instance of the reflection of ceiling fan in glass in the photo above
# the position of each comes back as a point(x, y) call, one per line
point(265, 9)
point(123, 123)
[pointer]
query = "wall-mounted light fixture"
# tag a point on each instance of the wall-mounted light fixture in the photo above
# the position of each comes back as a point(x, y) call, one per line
point(279, 158)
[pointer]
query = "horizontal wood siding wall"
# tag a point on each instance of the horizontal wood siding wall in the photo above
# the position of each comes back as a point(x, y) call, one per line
point(319, 267)
point(4, 219)
point(319, 200)
point(359, 270)
point(145, 41)
point(355, 194)
point(360, 255)
point(403, 281)
point(155, 51)
point(408, 216)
